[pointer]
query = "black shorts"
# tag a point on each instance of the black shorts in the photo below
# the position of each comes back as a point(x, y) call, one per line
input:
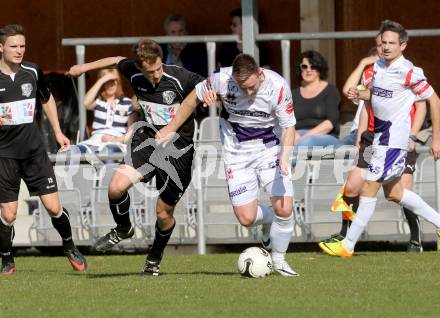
point(365, 152)
point(410, 162)
point(37, 172)
point(172, 167)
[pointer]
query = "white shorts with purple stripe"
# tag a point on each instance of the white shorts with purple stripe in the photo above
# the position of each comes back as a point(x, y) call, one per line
point(386, 164)
point(259, 170)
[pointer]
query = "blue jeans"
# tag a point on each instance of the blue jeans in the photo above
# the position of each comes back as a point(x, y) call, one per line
point(317, 141)
point(106, 150)
point(349, 140)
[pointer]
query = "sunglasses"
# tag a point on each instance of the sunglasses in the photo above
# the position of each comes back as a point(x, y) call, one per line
point(306, 67)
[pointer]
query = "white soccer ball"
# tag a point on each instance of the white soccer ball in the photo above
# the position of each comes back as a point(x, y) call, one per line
point(254, 262)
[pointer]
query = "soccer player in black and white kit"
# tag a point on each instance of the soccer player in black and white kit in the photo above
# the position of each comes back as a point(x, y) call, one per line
point(22, 154)
point(159, 89)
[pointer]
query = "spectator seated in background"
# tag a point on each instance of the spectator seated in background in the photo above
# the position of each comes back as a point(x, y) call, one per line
point(316, 103)
point(113, 114)
point(227, 51)
point(191, 56)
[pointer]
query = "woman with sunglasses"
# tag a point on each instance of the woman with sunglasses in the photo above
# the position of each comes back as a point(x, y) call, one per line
point(112, 114)
point(316, 103)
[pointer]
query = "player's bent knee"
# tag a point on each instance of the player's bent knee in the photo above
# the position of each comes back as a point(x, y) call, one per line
point(393, 197)
point(53, 208)
point(284, 212)
point(116, 189)
point(246, 220)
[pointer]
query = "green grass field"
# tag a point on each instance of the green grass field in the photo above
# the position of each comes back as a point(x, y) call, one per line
point(367, 285)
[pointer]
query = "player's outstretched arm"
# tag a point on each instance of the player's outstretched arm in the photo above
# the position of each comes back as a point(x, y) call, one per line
point(355, 77)
point(50, 109)
point(79, 69)
point(187, 107)
point(434, 108)
point(287, 140)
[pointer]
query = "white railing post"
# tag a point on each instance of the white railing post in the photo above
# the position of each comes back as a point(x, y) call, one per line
point(285, 57)
point(437, 184)
point(201, 241)
point(80, 51)
point(211, 48)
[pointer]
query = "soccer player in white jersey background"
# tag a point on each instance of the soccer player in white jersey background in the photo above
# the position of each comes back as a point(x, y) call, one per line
point(397, 83)
point(257, 130)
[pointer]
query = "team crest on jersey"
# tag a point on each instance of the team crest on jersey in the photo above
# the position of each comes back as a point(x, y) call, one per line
point(26, 89)
point(168, 97)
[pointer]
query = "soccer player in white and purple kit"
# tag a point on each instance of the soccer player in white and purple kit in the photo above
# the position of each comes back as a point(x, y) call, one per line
point(257, 129)
point(397, 83)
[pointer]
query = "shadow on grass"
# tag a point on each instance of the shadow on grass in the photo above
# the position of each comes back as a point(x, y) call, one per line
point(112, 275)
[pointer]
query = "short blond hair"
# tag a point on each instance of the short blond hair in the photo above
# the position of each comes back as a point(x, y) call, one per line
point(148, 51)
point(243, 66)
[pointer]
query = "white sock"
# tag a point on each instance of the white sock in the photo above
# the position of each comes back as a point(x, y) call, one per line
point(264, 215)
point(280, 235)
point(363, 215)
point(416, 204)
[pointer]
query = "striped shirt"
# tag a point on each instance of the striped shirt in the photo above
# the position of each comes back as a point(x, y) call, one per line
point(112, 121)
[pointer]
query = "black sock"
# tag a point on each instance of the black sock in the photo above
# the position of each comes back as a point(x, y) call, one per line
point(7, 234)
point(353, 202)
point(161, 239)
point(414, 225)
point(120, 208)
point(344, 228)
point(62, 225)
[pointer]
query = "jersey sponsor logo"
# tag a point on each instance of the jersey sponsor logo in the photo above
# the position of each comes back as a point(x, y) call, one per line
point(381, 92)
point(26, 89)
point(246, 112)
point(19, 112)
point(239, 191)
point(158, 114)
point(168, 97)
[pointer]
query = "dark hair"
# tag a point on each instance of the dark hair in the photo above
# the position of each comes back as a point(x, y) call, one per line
point(173, 18)
point(372, 51)
point(10, 30)
point(392, 26)
point(316, 60)
point(236, 13)
point(243, 66)
point(147, 50)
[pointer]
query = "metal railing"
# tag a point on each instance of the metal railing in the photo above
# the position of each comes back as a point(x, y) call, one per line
point(211, 40)
point(197, 181)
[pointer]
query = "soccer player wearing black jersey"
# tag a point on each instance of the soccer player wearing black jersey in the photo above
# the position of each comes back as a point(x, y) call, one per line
point(22, 154)
point(160, 89)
